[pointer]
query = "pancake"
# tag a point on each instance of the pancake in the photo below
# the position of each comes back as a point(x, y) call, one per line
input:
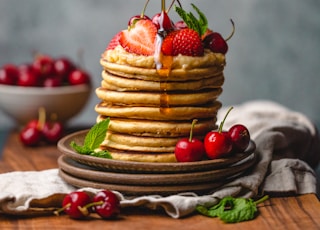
point(138, 148)
point(123, 58)
point(153, 74)
point(117, 83)
point(157, 113)
point(131, 140)
point(141, 157)
point(147, 128)
point(155, 98)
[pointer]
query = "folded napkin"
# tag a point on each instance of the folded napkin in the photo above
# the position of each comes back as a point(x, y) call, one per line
point(287, 148)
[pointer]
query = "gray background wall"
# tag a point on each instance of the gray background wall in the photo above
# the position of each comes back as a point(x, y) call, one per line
point(274, 54)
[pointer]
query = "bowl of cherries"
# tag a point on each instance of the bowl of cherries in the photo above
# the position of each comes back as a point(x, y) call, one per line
point(56, 84)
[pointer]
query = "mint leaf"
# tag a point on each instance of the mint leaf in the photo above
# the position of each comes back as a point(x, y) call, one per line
point(203, 22)
point(242, 210)
point(200, 25)
point(80, 149)
point(102, 154)
point(232, 210)
point(96, 134)
point(93, 140)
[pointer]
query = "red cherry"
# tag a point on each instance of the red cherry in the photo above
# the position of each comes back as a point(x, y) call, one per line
point(30, 136)
point(74, 204)
point(162, 21)
point(240, 137)
point(63, 67)
point(44, 65)
point(189, 149)
point(33, 124)
point(135, 18)
point(218, 143)
point(25, 68)
point(108, 204)
point(52, 131)
point(9, 74)
point(78, 77)
point(216, 43)
point(28, 77)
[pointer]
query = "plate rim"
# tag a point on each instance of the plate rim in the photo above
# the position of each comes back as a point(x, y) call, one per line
point(140, 189)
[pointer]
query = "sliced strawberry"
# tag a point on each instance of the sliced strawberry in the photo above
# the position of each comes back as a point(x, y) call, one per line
point(114, 42)
point(185, 42)
point(139, 39)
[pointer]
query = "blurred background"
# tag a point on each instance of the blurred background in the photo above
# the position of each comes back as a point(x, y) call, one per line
point(274, 54)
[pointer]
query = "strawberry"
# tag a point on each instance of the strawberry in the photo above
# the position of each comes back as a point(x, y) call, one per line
point(140, 38)
point(114, 42)
point(167, 44)
point(185, 42)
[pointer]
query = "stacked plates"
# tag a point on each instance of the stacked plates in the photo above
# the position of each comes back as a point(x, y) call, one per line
point(137, 178)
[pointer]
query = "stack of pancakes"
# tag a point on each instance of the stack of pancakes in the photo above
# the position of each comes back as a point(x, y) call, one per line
point(150, 110)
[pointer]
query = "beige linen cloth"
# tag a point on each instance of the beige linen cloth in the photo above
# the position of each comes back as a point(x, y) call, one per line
point(287, 146)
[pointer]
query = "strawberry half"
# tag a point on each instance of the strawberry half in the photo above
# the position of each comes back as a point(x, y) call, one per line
point(140, 38)
point(185, 42)
point(114, 42)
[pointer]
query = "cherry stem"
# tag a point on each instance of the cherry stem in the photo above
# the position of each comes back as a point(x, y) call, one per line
point(163, 5)
point(172, 5)
point(41, 118)
point(232, 32)
point(144, 9)
point(191, 131)
point(58, 211)
point(93, 204)
point(222, 123)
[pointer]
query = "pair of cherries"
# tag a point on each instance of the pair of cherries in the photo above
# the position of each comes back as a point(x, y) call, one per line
point(40, 130)
point(79, 205)
point(216, 143)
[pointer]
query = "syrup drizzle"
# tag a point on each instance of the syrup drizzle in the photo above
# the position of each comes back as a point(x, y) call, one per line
point(163, 65)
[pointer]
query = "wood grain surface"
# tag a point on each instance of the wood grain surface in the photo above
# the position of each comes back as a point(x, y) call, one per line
point(293, 212)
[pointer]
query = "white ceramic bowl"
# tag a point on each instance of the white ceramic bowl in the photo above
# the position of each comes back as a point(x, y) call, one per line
point(22, 103)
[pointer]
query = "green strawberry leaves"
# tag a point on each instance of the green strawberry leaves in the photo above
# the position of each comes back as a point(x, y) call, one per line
point(93, 139)
point(198, 24)
point(232, 210)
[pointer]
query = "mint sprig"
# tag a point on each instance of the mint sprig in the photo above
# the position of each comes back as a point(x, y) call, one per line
point(232, 210)
point(93, 140)
point(200, 24)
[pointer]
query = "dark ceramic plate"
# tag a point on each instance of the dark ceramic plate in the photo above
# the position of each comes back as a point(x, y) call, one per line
point(74, 168)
